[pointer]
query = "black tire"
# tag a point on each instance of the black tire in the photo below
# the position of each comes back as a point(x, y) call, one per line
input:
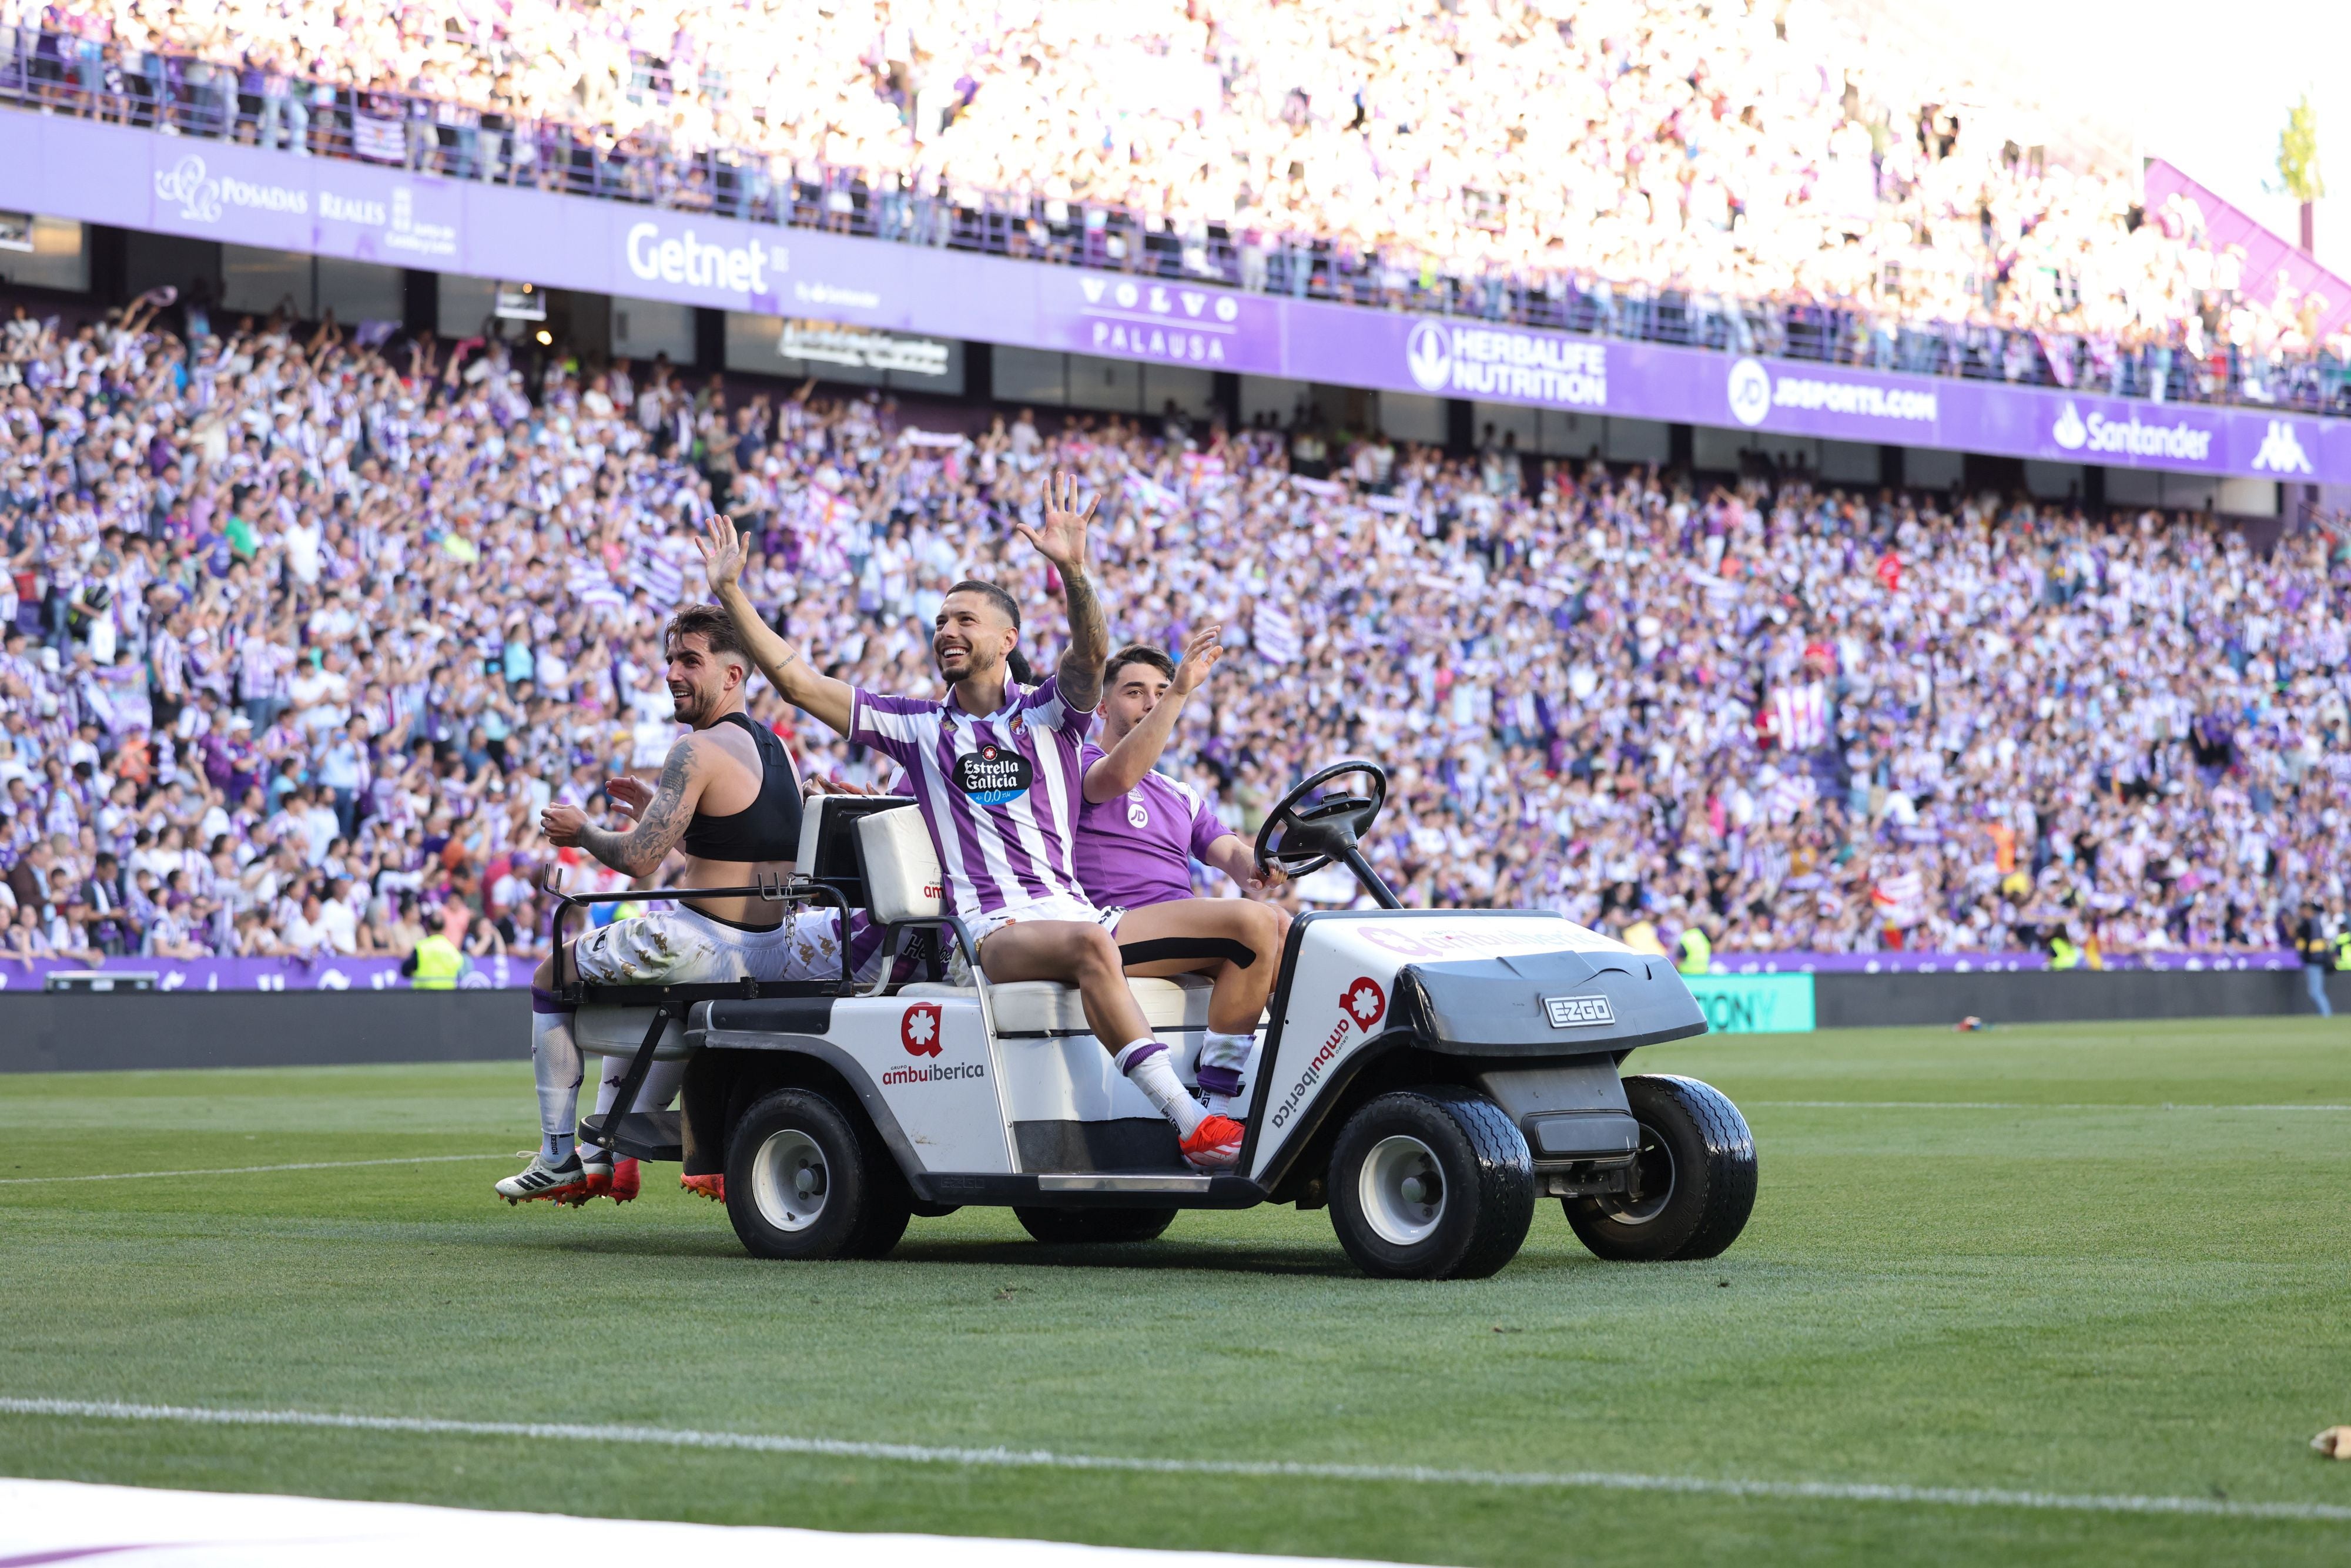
point(801, 1186)
point(1070, 1227)
point(1696, 1172)
point(1389, 1153)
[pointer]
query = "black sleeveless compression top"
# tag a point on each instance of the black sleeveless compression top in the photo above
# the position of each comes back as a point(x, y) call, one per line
point(768, 829)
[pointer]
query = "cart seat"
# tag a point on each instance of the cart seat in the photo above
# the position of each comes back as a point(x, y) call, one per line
point(903, 879)
point(1048, 1006)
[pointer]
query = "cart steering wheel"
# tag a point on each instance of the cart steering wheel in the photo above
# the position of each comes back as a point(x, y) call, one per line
point(1317, 828)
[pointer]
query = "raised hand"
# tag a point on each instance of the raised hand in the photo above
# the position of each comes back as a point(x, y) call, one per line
point(1062, 539)
point(629, 794)
point(1202, 649)
point(562, 825)
point(722, 552)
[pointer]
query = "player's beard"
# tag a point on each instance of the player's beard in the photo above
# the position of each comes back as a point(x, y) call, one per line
point(974, 662)
point(686, 708)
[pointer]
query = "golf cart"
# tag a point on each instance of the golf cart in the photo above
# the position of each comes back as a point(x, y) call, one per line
point(1424, 1074)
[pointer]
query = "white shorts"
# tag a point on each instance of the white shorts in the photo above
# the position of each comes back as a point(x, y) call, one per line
point(678, 946)
point(984, 925)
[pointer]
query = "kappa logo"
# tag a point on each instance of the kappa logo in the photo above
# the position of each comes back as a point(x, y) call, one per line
point(2281, 451)
point(1364, 1002)
point(919, 1031)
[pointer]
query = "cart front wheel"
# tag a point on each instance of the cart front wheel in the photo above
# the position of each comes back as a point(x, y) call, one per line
point(1431, 1184)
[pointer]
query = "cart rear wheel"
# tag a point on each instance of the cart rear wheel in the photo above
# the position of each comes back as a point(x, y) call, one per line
point(1431, 1184)
point(800, 1186)
point(1693, 1182)
point(1065, 1227)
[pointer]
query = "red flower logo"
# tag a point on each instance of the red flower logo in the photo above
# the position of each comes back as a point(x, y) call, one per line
point(918, 1031)
point(1364, 1002)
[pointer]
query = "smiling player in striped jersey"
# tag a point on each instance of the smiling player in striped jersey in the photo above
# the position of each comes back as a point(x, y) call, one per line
point(998, 770)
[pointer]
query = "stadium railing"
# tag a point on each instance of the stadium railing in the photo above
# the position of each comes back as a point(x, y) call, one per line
point(60, 71)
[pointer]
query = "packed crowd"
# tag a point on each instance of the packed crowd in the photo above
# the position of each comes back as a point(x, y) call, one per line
point(1748, 175)
point(300, 637)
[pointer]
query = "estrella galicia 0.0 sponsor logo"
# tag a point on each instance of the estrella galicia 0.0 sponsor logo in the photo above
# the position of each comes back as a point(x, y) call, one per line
point(919, 1029)
point(1578, 1012)
point(992, 775)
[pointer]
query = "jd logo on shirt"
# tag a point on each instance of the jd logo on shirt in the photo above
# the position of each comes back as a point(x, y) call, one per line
point(992, 775)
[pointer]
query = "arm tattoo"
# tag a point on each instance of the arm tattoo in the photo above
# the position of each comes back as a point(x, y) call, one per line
point(1082, 665)
point(640, 850)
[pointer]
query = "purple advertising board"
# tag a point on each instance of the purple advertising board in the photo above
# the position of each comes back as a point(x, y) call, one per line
point(335, 973)
point(332, 972)
point(1924, 963)
point(136, 178)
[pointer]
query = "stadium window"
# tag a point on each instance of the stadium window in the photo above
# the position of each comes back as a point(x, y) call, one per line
point(358, 291)
point(1849, 462)
point(1276, 396)
point(1114, 386)
point(1925, 468)
point(44, 253)
point(466, 303)
point(1565, 433)
point(1639, 440)
point(644, 327)
point(1412, 416)
point(258, 281)
point(1188, 387)
point(1029, 375)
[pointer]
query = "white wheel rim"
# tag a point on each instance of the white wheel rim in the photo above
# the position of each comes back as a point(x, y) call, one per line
point(790, 1181)
point(1401, 1189)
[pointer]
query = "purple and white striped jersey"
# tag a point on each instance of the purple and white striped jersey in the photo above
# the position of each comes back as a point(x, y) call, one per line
point(999, 794)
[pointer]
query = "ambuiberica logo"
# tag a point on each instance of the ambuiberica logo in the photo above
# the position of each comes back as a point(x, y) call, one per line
point(1361, 1005)
point(992, 775)
point(919, 1029)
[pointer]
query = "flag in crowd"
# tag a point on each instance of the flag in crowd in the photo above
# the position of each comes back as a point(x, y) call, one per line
point(1275, 632)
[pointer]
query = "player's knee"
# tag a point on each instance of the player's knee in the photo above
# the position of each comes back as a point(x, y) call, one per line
point(1097, 956)
point(1261, 926)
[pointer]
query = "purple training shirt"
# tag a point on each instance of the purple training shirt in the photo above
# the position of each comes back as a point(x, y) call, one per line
point(999, 794)
point(1137, 849)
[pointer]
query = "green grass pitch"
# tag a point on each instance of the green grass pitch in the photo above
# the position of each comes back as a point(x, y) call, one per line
point(2094, 1259)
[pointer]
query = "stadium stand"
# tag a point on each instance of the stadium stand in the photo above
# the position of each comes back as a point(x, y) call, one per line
point(300, 636)
point(1752, 180)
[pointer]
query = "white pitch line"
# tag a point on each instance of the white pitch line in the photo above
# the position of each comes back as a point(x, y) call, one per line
point(1041, 1459)
point(251, 1170)
point(2013, 1105)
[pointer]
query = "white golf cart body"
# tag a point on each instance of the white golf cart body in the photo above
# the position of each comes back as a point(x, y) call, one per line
point(999, 1094)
